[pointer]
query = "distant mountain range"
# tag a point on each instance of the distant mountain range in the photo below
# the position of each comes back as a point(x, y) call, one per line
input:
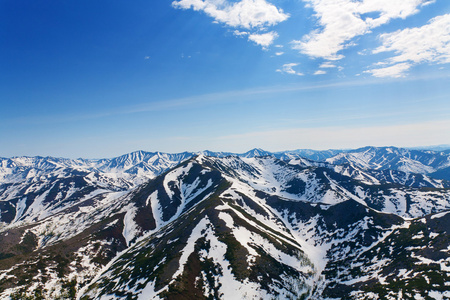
point(368, 223)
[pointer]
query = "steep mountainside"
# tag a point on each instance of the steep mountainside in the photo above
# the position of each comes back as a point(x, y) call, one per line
point(225, 227)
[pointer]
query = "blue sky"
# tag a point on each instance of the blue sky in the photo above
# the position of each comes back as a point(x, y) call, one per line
point(103, 78)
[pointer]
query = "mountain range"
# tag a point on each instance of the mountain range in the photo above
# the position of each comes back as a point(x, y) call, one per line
point(368, 223)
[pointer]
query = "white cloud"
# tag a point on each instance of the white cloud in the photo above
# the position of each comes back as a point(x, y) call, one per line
point(246, 13)
point(279, 53)
point(327, 65)
point(289, 69)
point(343, 20)
point(427, 44)
point(263, 39)
point(320, 72)
point(396, 71)
point(240, 33)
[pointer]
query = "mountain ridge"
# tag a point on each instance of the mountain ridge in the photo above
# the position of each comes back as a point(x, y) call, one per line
point(126, 161)
point(262, 226)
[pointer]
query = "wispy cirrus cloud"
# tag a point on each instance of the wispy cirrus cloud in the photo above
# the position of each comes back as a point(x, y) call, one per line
point(289, 69)
point(327, 65)
point(254, 15)
point(427, 44)
point(394, 71)
point(341, 21)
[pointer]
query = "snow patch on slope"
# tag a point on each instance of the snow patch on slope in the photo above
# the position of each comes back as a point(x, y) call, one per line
point(130, 228)
point(230, 287)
